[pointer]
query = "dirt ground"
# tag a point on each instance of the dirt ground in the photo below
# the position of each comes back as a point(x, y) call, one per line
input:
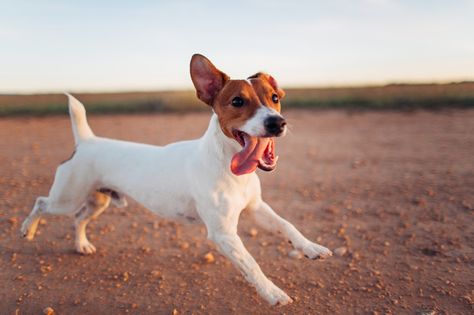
point(395, 189)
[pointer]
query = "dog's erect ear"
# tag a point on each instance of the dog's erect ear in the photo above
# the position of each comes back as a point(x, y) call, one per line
point(271, 80)
point(207, 79)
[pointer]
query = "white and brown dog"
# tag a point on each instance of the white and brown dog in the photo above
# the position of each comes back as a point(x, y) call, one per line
point(209, 180)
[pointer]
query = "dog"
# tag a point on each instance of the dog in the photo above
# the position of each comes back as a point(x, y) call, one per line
point(210, 180)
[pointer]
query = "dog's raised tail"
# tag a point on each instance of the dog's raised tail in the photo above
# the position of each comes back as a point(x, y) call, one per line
point(80, 127)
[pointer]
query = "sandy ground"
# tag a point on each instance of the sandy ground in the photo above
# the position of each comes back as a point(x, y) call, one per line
point(395, 189)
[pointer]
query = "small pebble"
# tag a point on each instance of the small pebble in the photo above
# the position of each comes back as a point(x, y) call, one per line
point(209, 258)
point(125, 276)
point(156, 273)
point(340, 251)
point(48, 311)
point(13, 220)
point(295, 254)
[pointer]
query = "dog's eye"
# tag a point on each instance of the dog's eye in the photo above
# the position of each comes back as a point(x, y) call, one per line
point(275, 98)
point(238, 101)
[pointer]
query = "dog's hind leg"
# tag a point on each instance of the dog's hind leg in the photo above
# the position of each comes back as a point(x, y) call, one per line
point(117, 199)
point(29, 226)
point(67, 195)
point(96, 203)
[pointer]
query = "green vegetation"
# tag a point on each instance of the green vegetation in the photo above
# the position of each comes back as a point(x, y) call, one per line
point(98, 103)
point(393, 96)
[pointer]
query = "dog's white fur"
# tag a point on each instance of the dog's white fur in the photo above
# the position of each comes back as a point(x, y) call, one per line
point(188, 180)
point(255, 126)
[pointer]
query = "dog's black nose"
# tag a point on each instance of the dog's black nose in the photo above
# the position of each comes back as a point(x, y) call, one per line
point(274, 125)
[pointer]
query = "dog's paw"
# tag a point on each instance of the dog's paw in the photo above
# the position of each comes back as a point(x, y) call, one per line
point(316, 251)
point(28, 230)
point(85, 248)
point(275, 296)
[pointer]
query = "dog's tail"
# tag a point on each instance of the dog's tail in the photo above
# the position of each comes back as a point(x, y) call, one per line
point(80, 127)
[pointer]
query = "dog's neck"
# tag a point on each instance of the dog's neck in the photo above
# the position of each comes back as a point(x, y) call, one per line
point(217, 147)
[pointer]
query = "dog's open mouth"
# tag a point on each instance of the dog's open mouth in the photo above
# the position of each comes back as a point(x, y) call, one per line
point(257, 152)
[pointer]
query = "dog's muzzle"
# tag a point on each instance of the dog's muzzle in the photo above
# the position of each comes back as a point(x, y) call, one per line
point(274, 125)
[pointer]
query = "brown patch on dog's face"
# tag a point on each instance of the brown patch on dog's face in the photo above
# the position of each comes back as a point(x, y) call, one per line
point(270, 80)
point(234, 101)
point(267, 87)
point(254, 92)
point(234, 105)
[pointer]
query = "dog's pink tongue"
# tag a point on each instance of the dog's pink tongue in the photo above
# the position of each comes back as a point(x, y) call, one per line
point(246, 161)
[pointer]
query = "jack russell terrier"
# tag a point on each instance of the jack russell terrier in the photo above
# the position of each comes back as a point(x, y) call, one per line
point(209, 180)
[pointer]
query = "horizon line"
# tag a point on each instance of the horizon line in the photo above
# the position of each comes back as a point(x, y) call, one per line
point(288, 87)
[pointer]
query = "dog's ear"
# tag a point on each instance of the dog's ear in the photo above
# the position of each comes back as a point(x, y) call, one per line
point(271, 80)
point(207, 79)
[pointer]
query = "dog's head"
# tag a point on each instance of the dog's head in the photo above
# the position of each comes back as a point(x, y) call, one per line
point(248, 112)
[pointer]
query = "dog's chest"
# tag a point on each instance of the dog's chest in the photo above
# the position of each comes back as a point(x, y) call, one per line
point(178, 207)
point(187, 213)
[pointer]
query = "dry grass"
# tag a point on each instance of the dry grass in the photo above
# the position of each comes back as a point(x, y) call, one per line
point(129, 102)
point(394, 96)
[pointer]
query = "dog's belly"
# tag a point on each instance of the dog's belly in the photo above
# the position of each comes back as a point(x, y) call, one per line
point(155, 177)
point(181, 209)
point(165, 202)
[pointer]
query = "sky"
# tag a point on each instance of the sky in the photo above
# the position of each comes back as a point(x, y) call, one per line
point(79, 46)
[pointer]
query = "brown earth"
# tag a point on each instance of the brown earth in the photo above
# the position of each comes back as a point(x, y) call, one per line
point(396, 189)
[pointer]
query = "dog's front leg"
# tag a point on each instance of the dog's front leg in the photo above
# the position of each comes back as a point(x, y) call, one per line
point(221, 227)
point(231, 246)
point(269, 220)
